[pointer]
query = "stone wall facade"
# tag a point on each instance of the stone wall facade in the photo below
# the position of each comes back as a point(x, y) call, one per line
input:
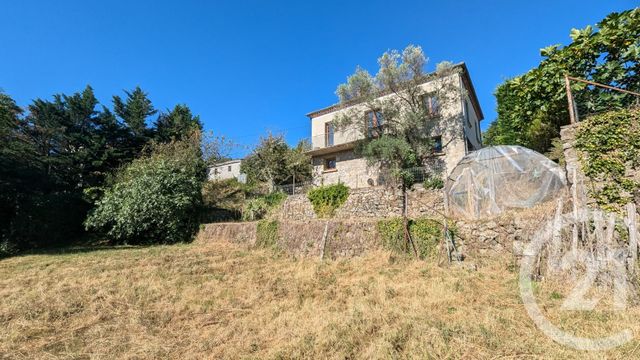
point(351, 170)
point(369, 203)
point(504, 235)
point(575, 176)
point(508, 233)
point(342, 238)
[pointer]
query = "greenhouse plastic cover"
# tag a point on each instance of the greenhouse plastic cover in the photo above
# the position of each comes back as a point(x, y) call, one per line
point(493, 179)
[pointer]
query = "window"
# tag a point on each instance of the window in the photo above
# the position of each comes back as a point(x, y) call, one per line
point(229, 168)
point(465, 106)
point(431, 104)
point(328, 134)
point(330, 164)
point(437, 144)
point(374, 123)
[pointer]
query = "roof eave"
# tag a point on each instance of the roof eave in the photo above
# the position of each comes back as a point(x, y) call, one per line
point(466, 78)
point(335, 107)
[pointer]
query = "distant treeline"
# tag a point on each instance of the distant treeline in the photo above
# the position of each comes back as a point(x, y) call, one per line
point(56, 155)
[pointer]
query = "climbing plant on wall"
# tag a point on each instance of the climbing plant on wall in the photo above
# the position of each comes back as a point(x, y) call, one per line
point(326, 199)
point(426, 233)
point(610, 145)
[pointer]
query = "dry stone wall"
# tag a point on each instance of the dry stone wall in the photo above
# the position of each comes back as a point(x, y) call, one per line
point(353, 229)
point(575, 176)
point(343, 238)
point(507, 234)
point(370, 203)
point(238, 232)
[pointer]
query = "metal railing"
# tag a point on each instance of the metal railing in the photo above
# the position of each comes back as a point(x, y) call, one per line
point(384, 177)
point(419, 174)
point(298, 188)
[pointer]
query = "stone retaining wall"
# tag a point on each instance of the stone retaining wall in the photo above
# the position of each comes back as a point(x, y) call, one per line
point(344, 238)
point(368, 203)
point(507, 234)
point(238, 232)
point(575, 176)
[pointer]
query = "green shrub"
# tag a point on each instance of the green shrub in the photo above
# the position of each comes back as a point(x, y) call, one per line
point(434, 183)
point(326, 199)
point(267, 234)
point(7, 248)
point(611, 143)
point(426, 234)
point(275, 198)
point(155, 199)
point(392, 235)
point(226, 194)
point(258, 208)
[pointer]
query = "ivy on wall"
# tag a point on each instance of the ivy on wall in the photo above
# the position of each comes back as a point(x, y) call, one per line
point(259, 207)
point(327, 199)
point(426, 234)
point(610, 146)
point(267, 234)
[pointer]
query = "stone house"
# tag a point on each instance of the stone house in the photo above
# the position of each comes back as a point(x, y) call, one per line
point(456, 132)
point(226, 170)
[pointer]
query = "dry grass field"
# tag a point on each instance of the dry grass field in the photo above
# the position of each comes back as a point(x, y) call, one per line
point(220, 301)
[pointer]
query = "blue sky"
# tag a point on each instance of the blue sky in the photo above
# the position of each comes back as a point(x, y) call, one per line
point(251, 66)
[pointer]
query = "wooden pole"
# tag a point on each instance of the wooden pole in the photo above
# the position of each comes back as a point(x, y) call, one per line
point(446, 239)
point(556, 239)
point(574, 230)
point(572, 115)
point(601, 85)
point(633, 233)
point(324, 240)
point(405, 216)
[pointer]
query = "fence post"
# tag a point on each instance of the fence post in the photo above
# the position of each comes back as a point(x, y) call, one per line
point(633, 234)
point(574, 229)
point(556, 239)
point(572, 115)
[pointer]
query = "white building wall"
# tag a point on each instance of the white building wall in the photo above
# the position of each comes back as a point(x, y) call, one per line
point(354, 172)
point(226, 170)
point(318, 124)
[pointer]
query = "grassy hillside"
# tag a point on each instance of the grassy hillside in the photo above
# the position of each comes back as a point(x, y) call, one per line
point(221, 301)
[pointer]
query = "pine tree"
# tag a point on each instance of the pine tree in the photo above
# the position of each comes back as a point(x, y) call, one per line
point(134, 112)
point(176, 124)
point(11, 166)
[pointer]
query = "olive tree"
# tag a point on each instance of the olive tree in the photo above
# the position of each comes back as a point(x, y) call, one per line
point(398, 114)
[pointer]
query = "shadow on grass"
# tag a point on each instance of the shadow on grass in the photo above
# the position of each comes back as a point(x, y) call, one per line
point(82, 247)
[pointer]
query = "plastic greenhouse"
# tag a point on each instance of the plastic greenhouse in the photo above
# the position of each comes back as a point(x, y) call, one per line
point(494, 179)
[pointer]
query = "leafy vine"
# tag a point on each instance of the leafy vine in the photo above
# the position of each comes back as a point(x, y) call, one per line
point(610, 146)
